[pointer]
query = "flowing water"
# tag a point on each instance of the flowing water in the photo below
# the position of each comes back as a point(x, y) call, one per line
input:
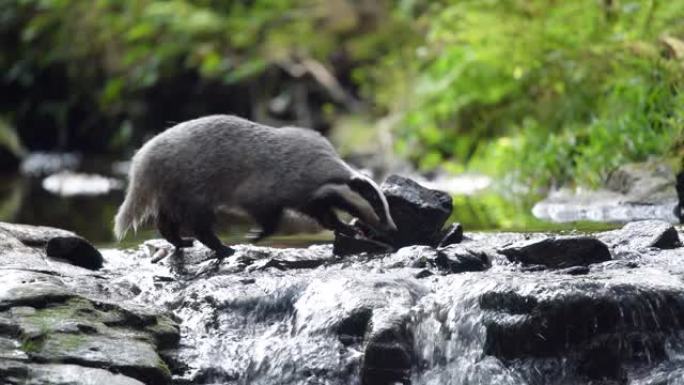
point(369, 320)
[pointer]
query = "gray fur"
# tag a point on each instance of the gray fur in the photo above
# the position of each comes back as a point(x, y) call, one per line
point(225, 161)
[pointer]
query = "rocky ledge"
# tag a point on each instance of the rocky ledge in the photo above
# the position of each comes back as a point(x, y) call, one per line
point(505, 308)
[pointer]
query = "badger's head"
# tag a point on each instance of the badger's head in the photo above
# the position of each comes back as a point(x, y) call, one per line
point(372, 208)
point(362, 198)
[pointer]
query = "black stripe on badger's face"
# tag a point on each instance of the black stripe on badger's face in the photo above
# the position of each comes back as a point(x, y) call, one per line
point(371, 193)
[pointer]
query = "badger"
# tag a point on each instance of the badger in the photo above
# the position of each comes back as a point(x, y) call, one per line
point(183, 177)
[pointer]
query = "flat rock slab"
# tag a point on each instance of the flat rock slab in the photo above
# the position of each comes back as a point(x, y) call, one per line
point(62, 324)
point(643, 234)
point(133, 358)
point(23, 373)
point(558, 252)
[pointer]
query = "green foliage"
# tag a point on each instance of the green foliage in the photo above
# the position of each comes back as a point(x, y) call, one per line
point(545, 92)
point(549, 91)
point(102, 56)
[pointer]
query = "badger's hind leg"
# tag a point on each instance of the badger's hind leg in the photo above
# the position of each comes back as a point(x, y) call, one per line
point(169, 229)
point(203, 227)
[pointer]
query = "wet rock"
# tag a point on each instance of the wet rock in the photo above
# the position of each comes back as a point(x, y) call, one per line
point(419, 212)
point(459, 259)
point(133, 358)
point(596, 328)
point(353, 328)
point(346, 245)
point(558, 252)
point(452, 235)
point(424, 273)
point(76, 250)
point(58, 320)
point(642, 234)
point(388, 356)
point(411, 256)
point(57, 243)
point(21, 373)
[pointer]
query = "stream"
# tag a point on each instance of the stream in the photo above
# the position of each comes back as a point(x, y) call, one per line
point(597, 305)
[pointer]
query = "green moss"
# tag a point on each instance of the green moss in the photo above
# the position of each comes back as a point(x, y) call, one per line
point(161, 364)
point(32, 345)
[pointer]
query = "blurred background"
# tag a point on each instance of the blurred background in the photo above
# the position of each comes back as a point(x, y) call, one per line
point(500, 102)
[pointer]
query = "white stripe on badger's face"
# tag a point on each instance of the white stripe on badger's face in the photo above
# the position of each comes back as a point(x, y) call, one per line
point(362, 183)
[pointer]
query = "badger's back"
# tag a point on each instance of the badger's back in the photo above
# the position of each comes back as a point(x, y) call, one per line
point(225, 160)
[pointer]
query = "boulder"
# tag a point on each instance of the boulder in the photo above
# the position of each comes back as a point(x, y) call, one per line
point(643, 234)
point(419, 212)
point(558, 252)
point(76, 250)
point(596, 328)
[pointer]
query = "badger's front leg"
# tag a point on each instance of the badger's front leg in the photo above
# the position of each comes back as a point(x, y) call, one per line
point(326, 217)
point(267, 219)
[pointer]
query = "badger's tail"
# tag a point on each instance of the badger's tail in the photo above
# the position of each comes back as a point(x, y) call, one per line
point(140, 204)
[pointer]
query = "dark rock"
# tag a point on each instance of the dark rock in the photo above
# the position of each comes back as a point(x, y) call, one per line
point(636, 235)
point(345, 245)
point(214, 375)
point(418, 212)
point(353, 328)
point(458, 259)
point(424, 273)
point(453, 234)
point(581, 322)
point(388, 356)
point(57, 243)
point(76, 250)
point(558, 252)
